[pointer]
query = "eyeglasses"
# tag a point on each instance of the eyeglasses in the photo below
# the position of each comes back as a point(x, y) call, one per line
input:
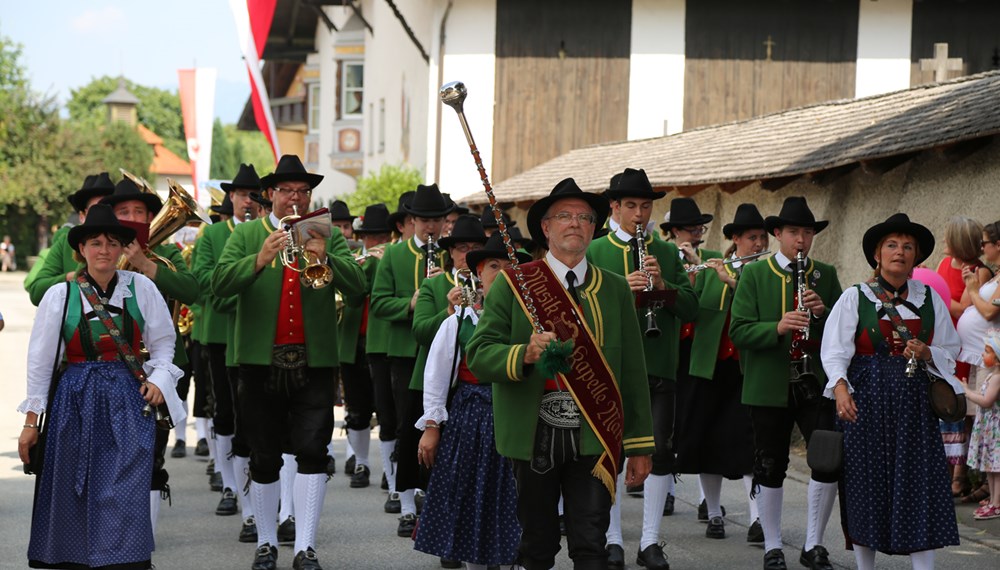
point(466, 247)
point(566, 217)
point(293, 191)
point(696, 230)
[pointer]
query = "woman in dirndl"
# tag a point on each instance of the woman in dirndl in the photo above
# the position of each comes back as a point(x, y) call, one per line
point(470, 513)
point(91, 505)
point(881, 340)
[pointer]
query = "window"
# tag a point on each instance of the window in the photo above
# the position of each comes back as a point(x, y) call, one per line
point(381, 126)
point(314, 108)
point(352, 89)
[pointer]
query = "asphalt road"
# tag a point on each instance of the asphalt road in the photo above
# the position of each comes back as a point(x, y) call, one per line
point(355, 533)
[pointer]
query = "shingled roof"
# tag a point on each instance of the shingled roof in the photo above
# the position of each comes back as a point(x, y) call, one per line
point(815, 141)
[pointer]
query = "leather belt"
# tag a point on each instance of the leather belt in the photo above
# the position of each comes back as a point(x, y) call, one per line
point(558, 410)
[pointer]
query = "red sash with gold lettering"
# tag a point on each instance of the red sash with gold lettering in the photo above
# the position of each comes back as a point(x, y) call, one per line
point(590, 380)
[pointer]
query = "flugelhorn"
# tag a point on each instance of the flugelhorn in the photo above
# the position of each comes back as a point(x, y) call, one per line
point(314, 274)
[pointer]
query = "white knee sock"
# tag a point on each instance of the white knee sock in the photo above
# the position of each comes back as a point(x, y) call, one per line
point(180, 429)
point(769, 505)
point(265, 499)
point(329, 449)
point(310, 490)
point(751, 501)
point(923, 560)
point(211, 441)
point(241, 471)
point(154, 509)
point(287, 478)
point(349, 451)
point(701, 491)
point(406, 502)
point(864, 557)
point(471, 566)
point(821, 497)
point(711, 485)
point(201, 428)
point(614, 534)
point(388, 467)
point(360, 442)
point(224, 461)
point(670, 489)
point(561, 503)
point(655, 496)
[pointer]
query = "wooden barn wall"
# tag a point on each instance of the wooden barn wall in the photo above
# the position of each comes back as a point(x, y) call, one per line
point(971, 28)
point(728, 76)
point(547, 105)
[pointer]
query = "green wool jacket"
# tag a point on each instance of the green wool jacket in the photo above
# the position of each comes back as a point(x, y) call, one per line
point(714, 300)
point(259, 292)
point(350, 319)
point(57, 264)
point(765, 293)
point(179, 285)
point(430, 311)
point(207, 252)
point(496, 354)
point(398, 277)
point(377, 339)
point(614, 255)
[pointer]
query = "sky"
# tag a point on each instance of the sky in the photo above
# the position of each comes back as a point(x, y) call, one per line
point(66, 43)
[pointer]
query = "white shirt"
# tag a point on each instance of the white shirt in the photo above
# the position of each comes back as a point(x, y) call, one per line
point(784, 263)
point(561, 269)
point(441, 369)
point(841, 326)
point(157, 335)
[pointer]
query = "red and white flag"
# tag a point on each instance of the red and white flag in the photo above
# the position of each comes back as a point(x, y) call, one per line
point(197, 92)
point(253, 22)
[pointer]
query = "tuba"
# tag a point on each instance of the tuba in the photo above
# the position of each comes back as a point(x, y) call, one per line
point(178, 211)
point(314, 274)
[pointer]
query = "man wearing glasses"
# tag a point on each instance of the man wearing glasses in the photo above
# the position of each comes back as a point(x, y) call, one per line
point(286, 350)
point(566, 432)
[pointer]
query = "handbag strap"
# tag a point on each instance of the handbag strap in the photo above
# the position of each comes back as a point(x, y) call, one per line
point(53, 383)
point(890, 310)
point(133, 362)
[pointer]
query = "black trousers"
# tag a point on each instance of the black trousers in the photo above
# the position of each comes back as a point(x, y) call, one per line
point(558, 469)
point(224, 411)
point(662, 398)
point(203, 406)
point(409, 407)
point(160, 475)
point(772, 428)
point(301, 418)
point(385, 405)
point(359, 396)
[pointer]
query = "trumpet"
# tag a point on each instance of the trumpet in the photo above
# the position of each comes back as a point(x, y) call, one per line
point(314, 274)
point(375, 252)
point(751, 257)
point(652, 330)
point(470, 287)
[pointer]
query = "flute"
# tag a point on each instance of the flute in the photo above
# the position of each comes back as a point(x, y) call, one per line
point(752, 256)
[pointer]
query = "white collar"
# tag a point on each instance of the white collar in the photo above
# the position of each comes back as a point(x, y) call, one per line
point(561, 269)
point(121, 292)
point(236, 220)
point(622, 234)
point(613, 225)
point(274, 221)
point(420, 243)
point(916, 293)
point(783, 262)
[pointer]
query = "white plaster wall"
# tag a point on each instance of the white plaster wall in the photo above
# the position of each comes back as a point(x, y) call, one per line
point(469, 56)
point(656, 68)
point(335, 183)
point(884, 32)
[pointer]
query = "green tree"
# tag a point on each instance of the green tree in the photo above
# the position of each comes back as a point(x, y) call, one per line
point(384, 186)
point(224, 161)
point(250, 147)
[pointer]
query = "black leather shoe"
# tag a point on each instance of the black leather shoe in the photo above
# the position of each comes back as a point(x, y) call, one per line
point(227, 506)
point(562, 525)
point(616, 556)
point(201, 450)
point(445, 563)
point(774, 560)
point(652, 557)
point(636, 490)
point(266, 558)
point(179, 450)
point(418, 499)
point(755, 533)
point(286, 531)
point(210, 468)
point(331, 466)
point(716, 528)
point(248, 533)
point(668, 505)
point(215, 481)
point(350, 464)
point(385, 483)
point(361, 477)
point(817, 558)
point(392, 505)
point(306, 560)
point(703, 511)
point(407, 524)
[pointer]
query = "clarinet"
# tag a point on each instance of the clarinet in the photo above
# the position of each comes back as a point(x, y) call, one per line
point(800, 366)
point(639, 255)
point(431, 251)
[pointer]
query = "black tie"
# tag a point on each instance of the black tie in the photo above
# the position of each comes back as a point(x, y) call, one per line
point(571, 280)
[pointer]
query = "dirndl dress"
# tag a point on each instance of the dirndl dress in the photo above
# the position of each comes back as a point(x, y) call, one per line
point(897, 486)
point(470, 513)
point(91, 505)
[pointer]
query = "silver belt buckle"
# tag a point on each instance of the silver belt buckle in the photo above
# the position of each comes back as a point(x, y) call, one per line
point(558, 410)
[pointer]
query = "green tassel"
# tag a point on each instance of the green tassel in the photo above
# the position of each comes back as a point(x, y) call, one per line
point(555, 358)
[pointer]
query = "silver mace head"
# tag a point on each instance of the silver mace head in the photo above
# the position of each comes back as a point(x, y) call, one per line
point(453, 94)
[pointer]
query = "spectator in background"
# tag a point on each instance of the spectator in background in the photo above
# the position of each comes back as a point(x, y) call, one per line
point(1, 321)
point(7, 259)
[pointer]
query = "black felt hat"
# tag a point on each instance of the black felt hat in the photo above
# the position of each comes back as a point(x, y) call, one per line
point(747, 218)
point(339, 211)
point(400, 214)
point(100, 220)
point(494, 249)
point(685, 212)
point(225, 208)
point(93, 185)
point(632, 184)
point(460, 209)
point(794, 212)
point(489, 219)
point(898, 224)
point(375, 220)
point(290, 169)
point(246, 178)
point(517, 237)
point(467, 229)
point(126, 191)
point(428, 203)
point(564, 190)
point(260, 199)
